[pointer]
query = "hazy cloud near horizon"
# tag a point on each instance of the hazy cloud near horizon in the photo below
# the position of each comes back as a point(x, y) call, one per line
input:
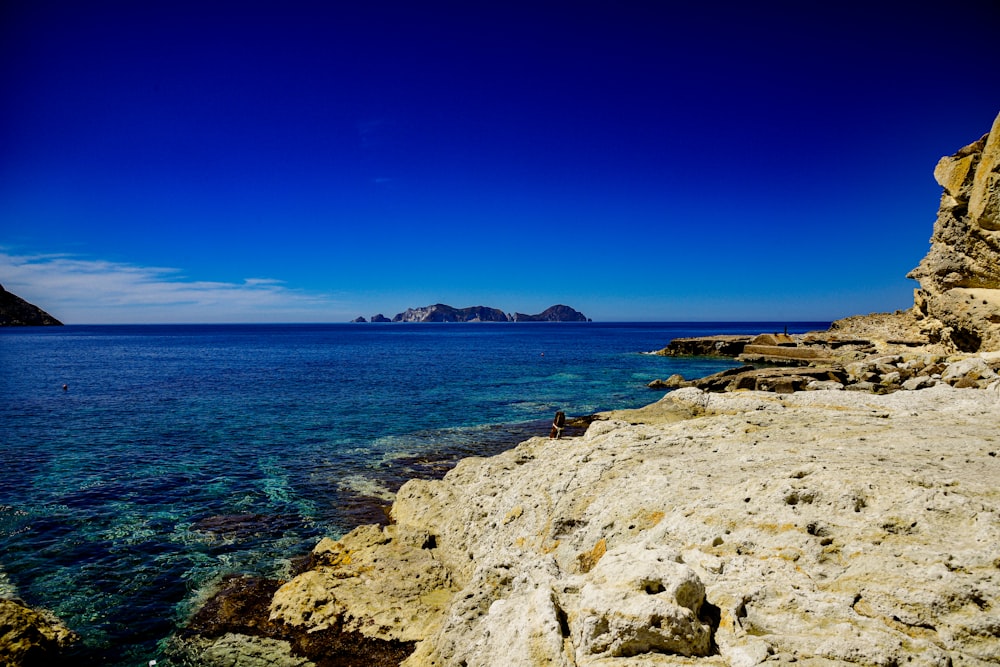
point(96, 290)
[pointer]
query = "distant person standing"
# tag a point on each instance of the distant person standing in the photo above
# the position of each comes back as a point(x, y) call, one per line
point(558, 424)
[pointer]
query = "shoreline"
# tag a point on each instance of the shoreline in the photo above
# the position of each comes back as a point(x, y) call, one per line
point(786, 515)
point(373, 507)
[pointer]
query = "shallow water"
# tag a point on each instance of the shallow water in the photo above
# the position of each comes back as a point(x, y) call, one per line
point(179, 454)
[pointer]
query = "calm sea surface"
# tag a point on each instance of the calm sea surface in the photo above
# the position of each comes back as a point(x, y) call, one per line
point(179, 454)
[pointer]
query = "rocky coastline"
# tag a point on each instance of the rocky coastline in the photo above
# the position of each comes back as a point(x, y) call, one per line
point(832, 503)
point(733, 528)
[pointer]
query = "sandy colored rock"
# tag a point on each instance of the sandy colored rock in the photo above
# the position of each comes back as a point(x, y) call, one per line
point(640, 599)
point(959, 295)
point(984, 196)
point(369, 582)
point(31, 637)
point(830, 527)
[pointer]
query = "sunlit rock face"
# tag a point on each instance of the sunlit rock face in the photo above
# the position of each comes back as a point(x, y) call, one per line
point(959, 295)
point(820, 527)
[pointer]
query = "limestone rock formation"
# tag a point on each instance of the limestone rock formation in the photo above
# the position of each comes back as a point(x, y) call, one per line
point(959, 294)
point(380, 319)
point(15, 311)
point(822, 527)
point(557, 313)
point(441, 313)
point(705, 346)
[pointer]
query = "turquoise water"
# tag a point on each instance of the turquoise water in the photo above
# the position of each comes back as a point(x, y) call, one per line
point(179, 454)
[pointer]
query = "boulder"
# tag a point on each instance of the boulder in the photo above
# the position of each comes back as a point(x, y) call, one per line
point(969, 372)
point(640, 599)
point(773, 339)
point(673, 382)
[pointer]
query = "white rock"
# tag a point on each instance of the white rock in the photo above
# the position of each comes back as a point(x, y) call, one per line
point(960, 369)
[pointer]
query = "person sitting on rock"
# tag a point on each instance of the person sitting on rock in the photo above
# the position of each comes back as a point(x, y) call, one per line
point(558, 424)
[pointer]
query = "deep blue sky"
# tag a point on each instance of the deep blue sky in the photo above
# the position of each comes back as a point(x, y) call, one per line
point(293, 161)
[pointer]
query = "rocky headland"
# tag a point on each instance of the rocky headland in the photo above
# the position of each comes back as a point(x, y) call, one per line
point(833, 502)
point(15, 311)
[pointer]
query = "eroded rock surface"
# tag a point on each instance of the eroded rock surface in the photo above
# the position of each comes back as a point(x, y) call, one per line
point(823, 527)
point(959, 295)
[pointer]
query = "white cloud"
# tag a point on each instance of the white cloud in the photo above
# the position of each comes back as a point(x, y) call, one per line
point(89, 291)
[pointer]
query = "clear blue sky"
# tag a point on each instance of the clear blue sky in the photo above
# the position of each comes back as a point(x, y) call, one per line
point(169, 161)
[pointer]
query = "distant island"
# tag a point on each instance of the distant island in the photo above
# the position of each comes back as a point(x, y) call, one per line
point(440, 312)
point(16, 312)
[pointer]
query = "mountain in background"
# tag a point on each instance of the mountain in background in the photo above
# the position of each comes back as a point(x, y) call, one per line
point(16, 312)
point(439, 312)
point(442, 313)
point(557, 313)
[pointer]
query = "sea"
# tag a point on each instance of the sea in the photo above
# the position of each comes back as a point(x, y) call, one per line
point(139, 465)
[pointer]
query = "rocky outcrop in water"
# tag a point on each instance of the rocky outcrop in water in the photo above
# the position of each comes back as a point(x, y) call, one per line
point(879, 374)
point(15, 311)
point(30, 636)
point(443, 313)
point(705, 346)
point(557, 313)
point(959, 295)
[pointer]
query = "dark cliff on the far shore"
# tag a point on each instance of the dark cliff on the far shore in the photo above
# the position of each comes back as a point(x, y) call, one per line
point(16, 312)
